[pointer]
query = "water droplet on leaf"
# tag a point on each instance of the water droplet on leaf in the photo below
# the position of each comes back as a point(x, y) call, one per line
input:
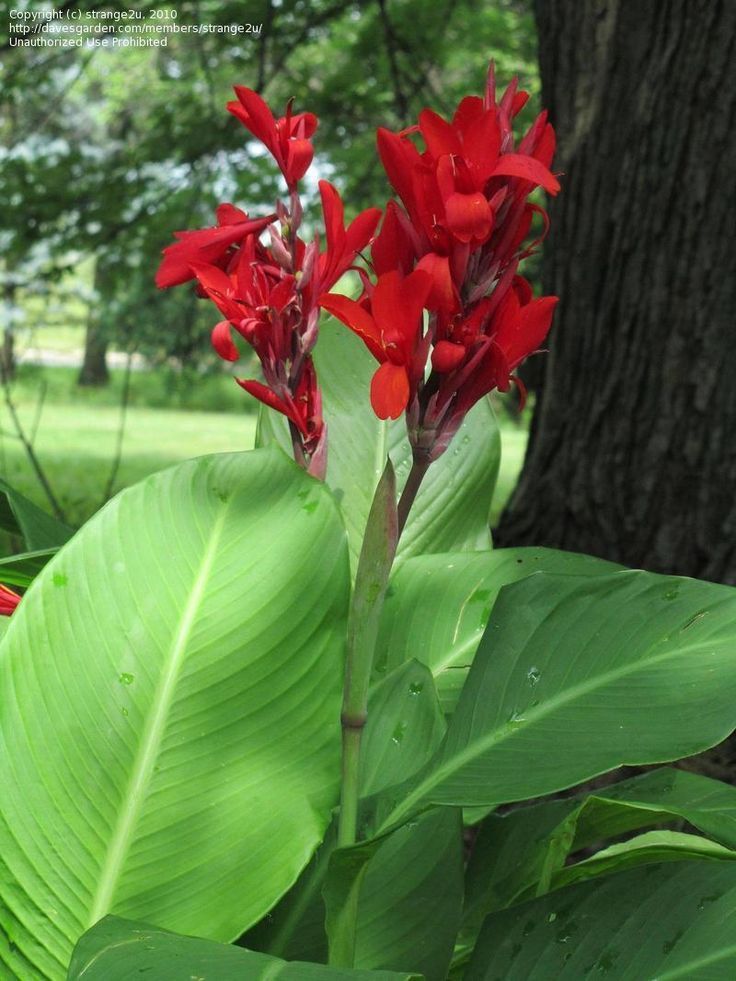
point(398, 733)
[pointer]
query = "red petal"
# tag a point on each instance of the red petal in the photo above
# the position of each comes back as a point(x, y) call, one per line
point(521, 330)
point(257, 117)
point(399, 160)
point(439, 136)
point(442, 295)
point(264, 394)
point(535, 320)
point(228, 214)
point(528, 169)
point(360, 231)
point(222, 341)
point(357, 319)
point(468, 114)
point(389, 391)
point(204, 245)
point(303, 125)
point(469, 216)
point(397, 305)
point(334, 213)
point(392, 248)
point(9, 600)
point(300, 154)
point(520, 100)
point(481, 145)
point(545, 148)
point(447, 356)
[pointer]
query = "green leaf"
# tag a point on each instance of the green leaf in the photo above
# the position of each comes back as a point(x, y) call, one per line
point(117, 950)
point(405, 726)
point(437, 607)
point(22, 569)
point(646, 849)
point(19, 516)
point(408, 891)
point(522, 850)
point(169, 705)
point(453, 504)
point(670, 921)
point(295, 928)
point(578, 675)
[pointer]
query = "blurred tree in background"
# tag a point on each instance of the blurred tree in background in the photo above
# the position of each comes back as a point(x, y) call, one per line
point(104, 152)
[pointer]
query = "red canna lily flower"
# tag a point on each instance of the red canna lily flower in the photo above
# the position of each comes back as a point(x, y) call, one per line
point(288, 138)
point(267, 293)
point(343, 244)
point(390, 326)
point(463, 221)
point(208, 245)
point(8, 601)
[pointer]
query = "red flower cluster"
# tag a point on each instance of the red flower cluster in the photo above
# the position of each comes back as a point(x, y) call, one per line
point(8, 601)
point(268, 293)
point(454, 249)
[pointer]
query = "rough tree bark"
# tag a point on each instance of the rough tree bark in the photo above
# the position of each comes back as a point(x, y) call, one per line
point(632, 453)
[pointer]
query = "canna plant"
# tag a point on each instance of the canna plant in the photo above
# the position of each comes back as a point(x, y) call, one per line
point(267, 717)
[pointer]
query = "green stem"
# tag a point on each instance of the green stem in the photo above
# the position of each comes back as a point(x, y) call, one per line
point(371, 579)
point(348, 824)
point(385, 523)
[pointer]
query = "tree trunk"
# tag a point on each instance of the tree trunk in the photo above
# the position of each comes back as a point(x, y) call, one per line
point(7, 351)
point(632, 453)
point(94, 364)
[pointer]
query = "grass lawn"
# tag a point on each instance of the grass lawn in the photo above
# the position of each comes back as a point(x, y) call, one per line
point(77, 431)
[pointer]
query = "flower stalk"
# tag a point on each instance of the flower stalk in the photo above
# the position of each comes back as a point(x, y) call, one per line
point(374, 568)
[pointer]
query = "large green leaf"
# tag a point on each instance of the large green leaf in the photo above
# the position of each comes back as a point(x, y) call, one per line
point(169, 704)
point(407, 890)
point(672, 921)
point(646, 849)
point(22, 569)
point(295, 928)
point(19, 516)
point(521, 851)
point(437, 607)
point(579, 675)
point(405, 726)
point(118, 950)
point(452, 508)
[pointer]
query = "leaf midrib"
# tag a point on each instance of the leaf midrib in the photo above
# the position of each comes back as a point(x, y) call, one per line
point(477, 747)
point(153, 732)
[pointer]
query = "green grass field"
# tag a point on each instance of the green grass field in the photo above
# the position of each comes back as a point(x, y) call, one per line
point(170, 418)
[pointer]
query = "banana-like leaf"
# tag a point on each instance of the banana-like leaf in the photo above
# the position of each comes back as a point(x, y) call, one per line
point(169, 705)
point(405, 726)
point(22, 569)
point(670, 921)
point(118, 950)
point(407, 889)
point(568, 668)
point(520, 852)
point(438, 606)
point(647, 849)
point(453, 504)
point(19, 516)
point(295, 928)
